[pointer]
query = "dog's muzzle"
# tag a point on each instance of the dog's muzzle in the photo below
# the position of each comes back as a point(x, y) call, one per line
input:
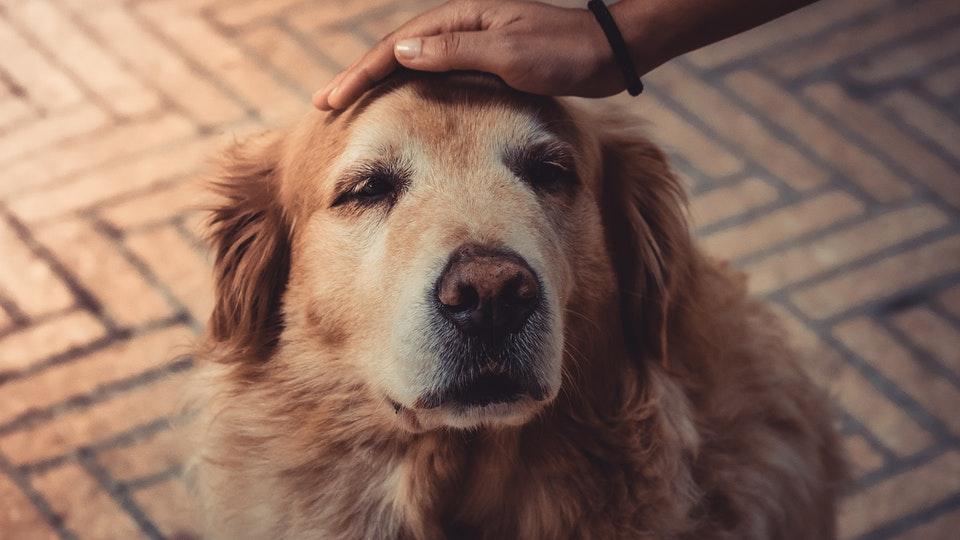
point(489, 325)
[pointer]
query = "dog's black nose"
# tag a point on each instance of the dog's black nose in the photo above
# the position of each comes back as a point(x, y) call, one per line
point(486, 292)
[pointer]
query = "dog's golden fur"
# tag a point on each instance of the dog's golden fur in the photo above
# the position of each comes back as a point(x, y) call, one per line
point(682, 412)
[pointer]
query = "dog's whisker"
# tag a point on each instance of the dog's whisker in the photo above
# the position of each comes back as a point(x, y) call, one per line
point(584, 318)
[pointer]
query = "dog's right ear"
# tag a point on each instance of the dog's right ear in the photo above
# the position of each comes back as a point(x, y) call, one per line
point(250, 235)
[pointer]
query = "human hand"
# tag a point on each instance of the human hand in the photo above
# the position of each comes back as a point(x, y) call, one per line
point(533, 47)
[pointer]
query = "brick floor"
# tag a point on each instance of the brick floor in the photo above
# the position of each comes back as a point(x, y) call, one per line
point(822, 153)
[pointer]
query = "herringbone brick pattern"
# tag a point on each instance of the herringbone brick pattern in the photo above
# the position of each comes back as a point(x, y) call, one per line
point(822, 153)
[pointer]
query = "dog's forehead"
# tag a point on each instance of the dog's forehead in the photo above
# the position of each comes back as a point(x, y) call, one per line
point(441, 124)
point(450, 123)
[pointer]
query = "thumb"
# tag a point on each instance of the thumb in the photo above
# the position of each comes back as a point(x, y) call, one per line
point(446, 52)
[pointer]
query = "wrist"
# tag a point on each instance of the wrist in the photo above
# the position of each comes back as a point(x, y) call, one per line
point(648, 38)
point(604, 70)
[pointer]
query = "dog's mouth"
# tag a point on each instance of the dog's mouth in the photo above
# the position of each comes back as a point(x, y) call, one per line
point(468, 382)
point(485, 388)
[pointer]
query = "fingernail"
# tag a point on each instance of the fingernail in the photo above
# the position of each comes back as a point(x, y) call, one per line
point(331, 95)
point(408, 48)
point(317, 99)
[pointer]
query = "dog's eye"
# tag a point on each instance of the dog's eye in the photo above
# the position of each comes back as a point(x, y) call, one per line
point(548, 174)
point(371, 185)
point(547, 169)
point(375, 188)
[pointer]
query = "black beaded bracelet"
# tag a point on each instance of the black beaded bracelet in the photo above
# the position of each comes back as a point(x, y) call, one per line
point(620, 52)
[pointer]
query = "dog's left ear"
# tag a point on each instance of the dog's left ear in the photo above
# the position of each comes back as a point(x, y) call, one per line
point(644, 214)
point(250, 236)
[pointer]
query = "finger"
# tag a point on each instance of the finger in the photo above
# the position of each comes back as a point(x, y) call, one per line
point(381, 61)
point(376, 65)
point(320, 97)
point(450, 51)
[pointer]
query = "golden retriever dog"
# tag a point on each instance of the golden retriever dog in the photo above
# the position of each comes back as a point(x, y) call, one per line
point(458, 311)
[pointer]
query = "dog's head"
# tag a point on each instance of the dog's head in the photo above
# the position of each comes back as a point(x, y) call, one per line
point(432, 244)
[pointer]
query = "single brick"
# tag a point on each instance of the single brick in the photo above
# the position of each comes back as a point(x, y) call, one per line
point(737, 126)
point(288, 57)
point(341, 46)
point(729, 201)
point(901, 495)
point(28, 280)
point(857, 241)
point(950, 299)
point(670, 129)
point(931, 333)
point(178, 264)
point(783, 224)
point(853, 392)
point(86, 508)
point(172, 508)
point(50, 130)
point(191, 6)
point(18, 517)
point(196, 224)
point(322, 14)
point(781, 107)
point(170, 163)
point(381, 24)
point(869, 124)
point(162, 67)
point(860, 455)
point(880, 280)
point(860, 37)
point(41, 81)
point(907, 58)
point(242, 13)
point(85, 375)
point(45, 339)
point(919, 114)
point(798, 25)
point(227, 62)
point(98, 70)
point(940, 527)
point(161, 204)
point(12, 110)
point(5, 320)
point(945, 82)
point(116, 144)
point(938, 396)
point(154, 454)
point(81, 427)
point(96, 262)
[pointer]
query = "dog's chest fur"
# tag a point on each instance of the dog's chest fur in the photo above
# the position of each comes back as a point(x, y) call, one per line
point(562, 474)
point(523, 483)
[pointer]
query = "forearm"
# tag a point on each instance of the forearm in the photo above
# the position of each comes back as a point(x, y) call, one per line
point(659, 30)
